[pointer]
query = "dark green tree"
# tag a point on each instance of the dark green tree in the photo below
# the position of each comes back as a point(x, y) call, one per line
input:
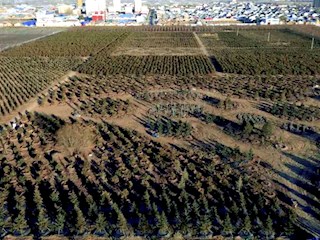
point(227, 225)
point(100, 225)
point(59, 222)
point(268, 228)
point(267, 130)
point(247, 128)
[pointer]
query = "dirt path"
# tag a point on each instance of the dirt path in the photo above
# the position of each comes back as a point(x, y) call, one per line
point(202, 47)
point(32, 104)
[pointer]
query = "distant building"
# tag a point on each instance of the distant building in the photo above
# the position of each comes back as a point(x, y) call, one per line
point(316, 3)
point(95, 5)
point(65, 9)
point(117, 5)
point(138, 6)
point(99, 16)
point(79, 3)
point(128, 9)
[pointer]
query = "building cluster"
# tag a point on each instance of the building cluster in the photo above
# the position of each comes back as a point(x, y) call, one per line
point(237, 13)
point(98, 12)
point(116, 14)
point(82, 12)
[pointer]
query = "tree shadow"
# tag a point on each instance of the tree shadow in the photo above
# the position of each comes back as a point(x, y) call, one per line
point(224, 152)
point(216, 64)
point(211, 100)
point(306, 181)
point(302, 161)
point(304, 131)
point(285, 198)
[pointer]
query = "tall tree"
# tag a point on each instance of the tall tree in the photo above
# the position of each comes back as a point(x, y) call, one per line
point(267, 129)
point(100, 225)
point(268, 228)
point(227, 225)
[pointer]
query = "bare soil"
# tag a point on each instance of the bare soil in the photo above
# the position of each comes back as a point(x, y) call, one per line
point(164, 51)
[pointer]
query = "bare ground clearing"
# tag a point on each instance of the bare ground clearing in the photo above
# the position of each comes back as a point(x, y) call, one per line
point(164, 51)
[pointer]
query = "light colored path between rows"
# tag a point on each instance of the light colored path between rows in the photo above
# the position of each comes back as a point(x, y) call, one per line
point(202, 47)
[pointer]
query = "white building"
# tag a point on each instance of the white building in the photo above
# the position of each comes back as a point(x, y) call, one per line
point(95, 6)
point(65, 9)
point(117, 5)
point(128, 9)
point(137, 6)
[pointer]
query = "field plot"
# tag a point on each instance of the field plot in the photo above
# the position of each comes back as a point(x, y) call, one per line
point(130, 186)
point(160, 39)
point(142, 138)
point(263, 51)
point(274, 88)
point(170, 65)
point(172, 53)
point(23, 78)
point(72, 43)
point(30, 68)
point(10, 37)
point(158, 44)
point(267, 61)
point(261, 38)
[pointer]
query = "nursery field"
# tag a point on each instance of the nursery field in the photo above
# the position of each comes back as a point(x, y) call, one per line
point(10, 37)
point(266, 51)
point(169, 132)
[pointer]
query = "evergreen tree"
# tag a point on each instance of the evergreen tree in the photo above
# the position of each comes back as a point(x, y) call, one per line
point(100, 225)
point(60, 222)
point(247, 224)
point(122, 224)
point(146, 198)
point(163, 226)
point(205, 225)
point(247, 129)
point(81, 225)
point(20, 226)
point(43, 222)
point(250, 154)
point(268, 228)
point(267, 129)
point(227, 225)
point(288, 229)
point(234, 209)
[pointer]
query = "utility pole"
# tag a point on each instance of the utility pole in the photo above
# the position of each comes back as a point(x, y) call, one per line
point(269, 35)
point(312, 43)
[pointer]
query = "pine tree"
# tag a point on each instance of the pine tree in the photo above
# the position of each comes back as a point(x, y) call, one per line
point(122, 224)
point(43, 223)
point(146, 198)
point(267, 129)
point(227, 225)
point(247, 224)
point(20, 225)
point(163, 225)
point(81, 225)
point(289, 228)
point(205, 225)
point(268, 228)
point(100, 225)
point(247, 129)
point(60, 222)
point(234, 209)
point(250, 154)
